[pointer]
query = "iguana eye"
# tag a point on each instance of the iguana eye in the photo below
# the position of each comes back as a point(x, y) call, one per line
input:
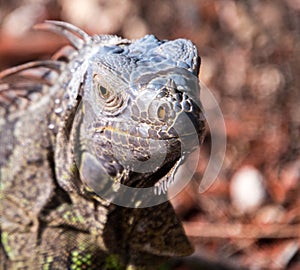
point(104, 93)
point(107, 95)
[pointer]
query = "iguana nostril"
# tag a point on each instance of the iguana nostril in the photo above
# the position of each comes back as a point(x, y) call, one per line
point(178, 97)
point(187, 106)
point(177, 107)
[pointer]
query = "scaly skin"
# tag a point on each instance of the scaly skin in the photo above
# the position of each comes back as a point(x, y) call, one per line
point(76, 127)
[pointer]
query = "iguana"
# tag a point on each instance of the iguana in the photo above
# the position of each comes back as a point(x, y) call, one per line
point(75, 134)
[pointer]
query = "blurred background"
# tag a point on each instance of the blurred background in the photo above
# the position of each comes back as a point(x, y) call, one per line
point(250, 50)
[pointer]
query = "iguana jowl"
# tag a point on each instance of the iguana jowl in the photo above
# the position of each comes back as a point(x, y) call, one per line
point(77, 128)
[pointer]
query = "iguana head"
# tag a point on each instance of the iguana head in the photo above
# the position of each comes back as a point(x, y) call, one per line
point(139, 112)
point(137, 100)
point(127, 112)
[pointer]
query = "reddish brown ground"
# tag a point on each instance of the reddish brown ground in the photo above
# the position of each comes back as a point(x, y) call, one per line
point(251, 62)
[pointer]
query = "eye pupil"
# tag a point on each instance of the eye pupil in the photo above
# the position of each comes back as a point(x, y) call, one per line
point(103, 91)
